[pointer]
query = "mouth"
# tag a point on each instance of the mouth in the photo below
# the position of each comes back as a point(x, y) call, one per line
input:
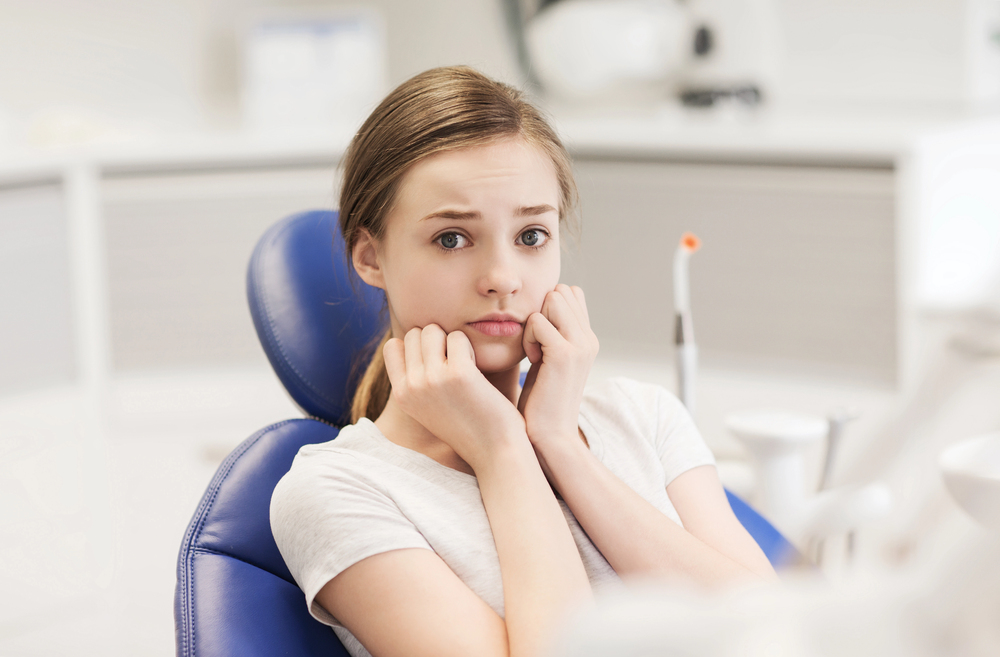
point(497, 326)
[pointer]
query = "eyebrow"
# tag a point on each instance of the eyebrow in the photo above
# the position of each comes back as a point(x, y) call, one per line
point(454, 215)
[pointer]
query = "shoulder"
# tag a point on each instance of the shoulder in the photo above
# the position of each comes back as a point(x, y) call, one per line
point(323, 471)
point(633, 411)
point(335, 507)
point(623, 398)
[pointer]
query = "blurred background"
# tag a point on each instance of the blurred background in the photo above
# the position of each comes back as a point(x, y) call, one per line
point(839, 160)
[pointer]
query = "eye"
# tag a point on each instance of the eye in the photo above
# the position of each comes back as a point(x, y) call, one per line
point(533, 237)
point(451, 241)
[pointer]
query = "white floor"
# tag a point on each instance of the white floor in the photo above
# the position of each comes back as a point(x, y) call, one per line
point(92, 520)
point(95, 506)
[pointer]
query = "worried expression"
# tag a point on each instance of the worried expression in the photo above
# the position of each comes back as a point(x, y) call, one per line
point(471, 244)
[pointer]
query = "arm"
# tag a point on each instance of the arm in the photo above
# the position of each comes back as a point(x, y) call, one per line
point(637, 539)
point(409, 602)
point(631, 533)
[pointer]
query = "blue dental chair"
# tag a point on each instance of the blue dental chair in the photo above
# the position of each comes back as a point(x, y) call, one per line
point(234, 594)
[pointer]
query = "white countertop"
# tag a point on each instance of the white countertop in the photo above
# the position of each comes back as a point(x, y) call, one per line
point(670, 135)
point(845, 140)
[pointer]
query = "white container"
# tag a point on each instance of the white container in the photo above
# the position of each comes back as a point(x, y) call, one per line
point(971, 471)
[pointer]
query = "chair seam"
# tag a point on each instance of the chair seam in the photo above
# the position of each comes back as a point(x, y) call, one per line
point(194, 531)
point(205, 550)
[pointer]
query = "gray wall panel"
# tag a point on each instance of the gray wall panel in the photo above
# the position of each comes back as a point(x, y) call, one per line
point(178, 248)
point(797, 271)
point(36, 342)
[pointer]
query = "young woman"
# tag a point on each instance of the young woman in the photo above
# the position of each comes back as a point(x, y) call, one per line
point(460, 514)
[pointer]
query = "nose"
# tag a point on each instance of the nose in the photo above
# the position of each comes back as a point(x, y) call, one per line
point(500, 275)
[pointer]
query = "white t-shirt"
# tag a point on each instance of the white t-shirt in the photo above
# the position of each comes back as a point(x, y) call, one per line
point(361, 494)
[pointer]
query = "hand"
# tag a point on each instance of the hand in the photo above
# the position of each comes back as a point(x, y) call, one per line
point(561, 347)
point(436, 382)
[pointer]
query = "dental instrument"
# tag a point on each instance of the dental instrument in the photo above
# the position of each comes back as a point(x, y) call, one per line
point(686, 349)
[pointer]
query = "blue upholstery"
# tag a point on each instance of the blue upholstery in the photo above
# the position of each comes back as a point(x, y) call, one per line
point(311, 316)
point(780, 552)
point(234, 595)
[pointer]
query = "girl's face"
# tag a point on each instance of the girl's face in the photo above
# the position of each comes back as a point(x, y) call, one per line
point(472, 244)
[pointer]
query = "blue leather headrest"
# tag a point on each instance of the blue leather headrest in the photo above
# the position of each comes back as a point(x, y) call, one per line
point(311, 317)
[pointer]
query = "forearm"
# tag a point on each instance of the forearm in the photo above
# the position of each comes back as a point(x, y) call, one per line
point(634, 536)
point(542, 573)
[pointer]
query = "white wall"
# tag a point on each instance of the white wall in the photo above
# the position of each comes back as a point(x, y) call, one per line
point(119, 58)
point(177, 61)
point(874, 52)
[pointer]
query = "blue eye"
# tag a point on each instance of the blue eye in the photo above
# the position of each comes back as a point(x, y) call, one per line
point(533, 238)
point(451, 241)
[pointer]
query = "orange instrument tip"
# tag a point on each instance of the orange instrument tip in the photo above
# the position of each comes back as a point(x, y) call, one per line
point(690, 242)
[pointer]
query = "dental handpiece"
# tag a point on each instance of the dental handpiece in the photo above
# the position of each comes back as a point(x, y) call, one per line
point(686, 349)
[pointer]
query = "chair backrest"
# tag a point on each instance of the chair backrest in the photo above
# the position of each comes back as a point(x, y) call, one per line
point(313, 317)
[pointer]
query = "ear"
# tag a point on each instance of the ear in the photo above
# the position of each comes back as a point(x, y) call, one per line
point(364, 256)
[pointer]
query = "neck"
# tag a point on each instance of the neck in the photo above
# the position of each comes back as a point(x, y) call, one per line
point(508, 382)
point(403, 430)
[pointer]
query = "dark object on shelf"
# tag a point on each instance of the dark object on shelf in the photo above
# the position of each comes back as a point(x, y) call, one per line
point(708, 97)
point(703, 41)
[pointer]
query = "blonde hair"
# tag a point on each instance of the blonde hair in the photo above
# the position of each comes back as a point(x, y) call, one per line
point(438, 110)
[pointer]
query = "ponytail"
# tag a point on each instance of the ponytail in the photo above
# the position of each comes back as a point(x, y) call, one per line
point(373, 390)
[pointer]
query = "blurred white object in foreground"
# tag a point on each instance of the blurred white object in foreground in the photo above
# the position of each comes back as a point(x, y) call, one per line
point(777, 442)
point(945, 609)
point(956, 181)
point(971, 472)
point(585, 48)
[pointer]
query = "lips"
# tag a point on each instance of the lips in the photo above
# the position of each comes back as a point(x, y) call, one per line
point(497, 326)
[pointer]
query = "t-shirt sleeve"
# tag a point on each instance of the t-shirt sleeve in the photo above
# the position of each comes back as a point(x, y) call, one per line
point(326, 516)
point(678, 442)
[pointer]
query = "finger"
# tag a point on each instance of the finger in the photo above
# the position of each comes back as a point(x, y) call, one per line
point(539, 333)
point(578, 294)
point(558, 311)
point(460, 350)
point(432, 346)
point(532, 346)
point(395, 366)
point(573, 302)
point(411, 352)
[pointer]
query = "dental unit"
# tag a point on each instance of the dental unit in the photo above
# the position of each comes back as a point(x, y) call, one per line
point(778, 443)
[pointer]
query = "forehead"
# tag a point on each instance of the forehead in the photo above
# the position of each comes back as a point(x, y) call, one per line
point(511, 171)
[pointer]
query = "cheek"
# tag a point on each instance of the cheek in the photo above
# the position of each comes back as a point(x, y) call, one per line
point(543, 282)
point(423, 296)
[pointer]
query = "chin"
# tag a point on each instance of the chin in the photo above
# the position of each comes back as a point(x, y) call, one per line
point(498, 357)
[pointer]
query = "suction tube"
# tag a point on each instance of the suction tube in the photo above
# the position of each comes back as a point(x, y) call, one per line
point(687, 350)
